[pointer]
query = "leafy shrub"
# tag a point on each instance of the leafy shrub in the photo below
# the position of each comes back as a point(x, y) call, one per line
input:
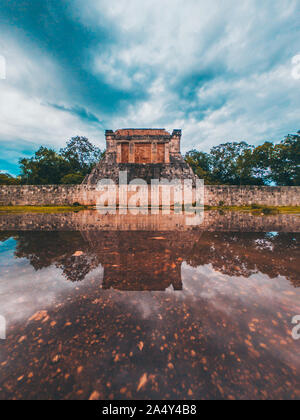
point(268, 211)
point(72, 179)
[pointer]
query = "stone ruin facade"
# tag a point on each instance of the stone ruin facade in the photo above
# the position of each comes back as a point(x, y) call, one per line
point(145, 154)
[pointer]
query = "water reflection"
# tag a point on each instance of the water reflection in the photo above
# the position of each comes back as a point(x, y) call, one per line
point(93, 221)
point(153, 261)
point(149, 314)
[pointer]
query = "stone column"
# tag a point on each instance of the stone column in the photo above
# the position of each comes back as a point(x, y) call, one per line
point(131, 152)
point(110, 141)
point(175, 141)
point(167, 153)
point(154, 153)
point(119, 153)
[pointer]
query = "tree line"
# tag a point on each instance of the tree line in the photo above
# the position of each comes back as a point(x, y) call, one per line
point(243, 164)
point(236, 163)
point(48, 167)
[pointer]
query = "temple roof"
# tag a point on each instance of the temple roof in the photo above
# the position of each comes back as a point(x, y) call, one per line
point(132, 132)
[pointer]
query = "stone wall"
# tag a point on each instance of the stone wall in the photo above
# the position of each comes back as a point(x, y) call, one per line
point(47, 195)
point(109, 169)
point(247, 195)
point(91, 220)
point(87, 195)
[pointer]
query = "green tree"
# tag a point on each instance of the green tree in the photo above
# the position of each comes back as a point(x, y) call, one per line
point(229, 163)
point(262, 159)
point(200, 162)
point(285, 165)
point(7, 179)
point(46, 167)
point(81, 154)
point(232, 164)
point(72, 179)
point(69, 166)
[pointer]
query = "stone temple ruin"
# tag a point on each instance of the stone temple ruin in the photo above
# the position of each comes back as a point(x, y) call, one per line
point(145, 154)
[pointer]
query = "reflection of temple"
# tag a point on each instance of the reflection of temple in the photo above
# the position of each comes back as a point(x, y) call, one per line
point(153, 260)
point(91, 220)
point(136, 261)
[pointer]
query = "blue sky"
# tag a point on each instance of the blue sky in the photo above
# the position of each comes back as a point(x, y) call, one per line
point(220, 70)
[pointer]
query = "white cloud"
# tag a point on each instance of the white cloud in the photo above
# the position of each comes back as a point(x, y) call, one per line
point(248, 45)
point(28, 118)
point(33, 83)
point(218, 70)
point(251, 111)
point(179, 36)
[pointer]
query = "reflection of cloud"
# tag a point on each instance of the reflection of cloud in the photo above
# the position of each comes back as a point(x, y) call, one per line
point(237, 296)
point(146, 304)
point(210, 284)
point(24, 291)
point(209, 295)
point(97, 273)
point(220, 307)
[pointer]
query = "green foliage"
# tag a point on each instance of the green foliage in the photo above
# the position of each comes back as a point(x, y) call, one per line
point(81, 155)
point(6, 179)
point(231, 164)
point(243, 164)
point(269, 211)
point(200, 162)
point(285, 165)
point(69, 166)
point(46, 167)
point(72, 179)
point(228, 164)
point(261, 160)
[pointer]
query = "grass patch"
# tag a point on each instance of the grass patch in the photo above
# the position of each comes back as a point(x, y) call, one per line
point(257, 209)
point(76, 207)
point(43, 209)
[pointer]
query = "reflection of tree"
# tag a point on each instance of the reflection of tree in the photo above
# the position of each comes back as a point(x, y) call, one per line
point(4, 236)
point(242, 254)
point(43, 249)
point(46, 248)
point(152, 260)
point(76, 268)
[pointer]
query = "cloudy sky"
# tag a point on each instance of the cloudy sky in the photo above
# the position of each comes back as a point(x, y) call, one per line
point(219, 69)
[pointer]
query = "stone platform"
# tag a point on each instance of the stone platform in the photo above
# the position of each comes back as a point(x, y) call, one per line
point(145, 154)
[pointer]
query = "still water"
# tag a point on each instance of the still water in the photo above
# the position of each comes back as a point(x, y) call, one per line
point(124, 312)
